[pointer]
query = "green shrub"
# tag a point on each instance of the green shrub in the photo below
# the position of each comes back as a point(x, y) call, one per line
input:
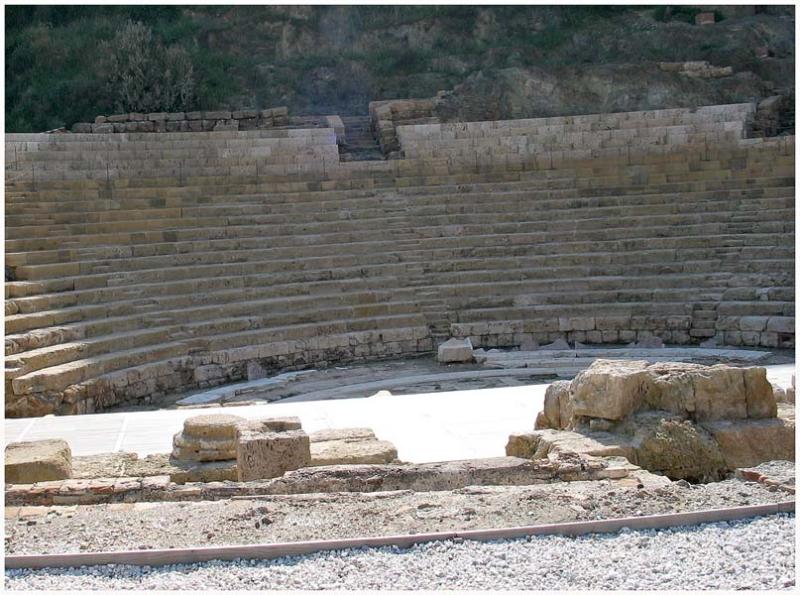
point(143, 75)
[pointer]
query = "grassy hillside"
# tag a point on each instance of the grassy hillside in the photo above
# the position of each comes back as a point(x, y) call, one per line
point(337, 59)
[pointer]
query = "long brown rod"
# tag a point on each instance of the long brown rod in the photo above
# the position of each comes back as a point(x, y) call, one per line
point(277, 550)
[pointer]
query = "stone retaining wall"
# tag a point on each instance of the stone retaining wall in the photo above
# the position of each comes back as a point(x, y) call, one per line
point(249, 119)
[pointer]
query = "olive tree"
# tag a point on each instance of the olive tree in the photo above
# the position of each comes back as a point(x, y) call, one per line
point(145, 76)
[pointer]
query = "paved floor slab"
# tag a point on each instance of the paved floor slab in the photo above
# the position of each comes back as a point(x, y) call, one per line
point(424, 427)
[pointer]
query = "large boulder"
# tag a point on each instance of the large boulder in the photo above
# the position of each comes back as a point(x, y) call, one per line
point(39, 460)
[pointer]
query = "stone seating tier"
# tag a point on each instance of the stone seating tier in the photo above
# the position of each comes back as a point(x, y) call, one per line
point(664, 173)
point(642, 119)
point(155, 288)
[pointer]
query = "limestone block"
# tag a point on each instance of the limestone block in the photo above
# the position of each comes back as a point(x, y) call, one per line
point(100, 119)
point(263, 455)
point(753, 323)
point(39, 460)
point(157, 117)
point(218, 115)
point(194, 115)
point(221, 445)
point(352, 452)
point(543, 443)
point(613, 323)
point(229, 124)
point(214, 426)
point(610, 389)
point(82, 127)
point(175, 116)
point(102, 128)
point(576, 324)
point(190, 471)
point(455, 350)
point(118, 118)
point(557, 413)
point(781, 324)
point(244, 114)
point(745, 443)
point(710, 393)
point(280, 115)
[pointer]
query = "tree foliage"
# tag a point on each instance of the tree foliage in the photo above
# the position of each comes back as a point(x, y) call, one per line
point(144, 75)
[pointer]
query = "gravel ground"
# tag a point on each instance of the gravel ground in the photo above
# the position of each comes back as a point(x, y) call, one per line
point(156, 525)
point(751, 554)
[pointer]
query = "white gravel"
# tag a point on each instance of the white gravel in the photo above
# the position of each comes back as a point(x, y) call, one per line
point(751, 554)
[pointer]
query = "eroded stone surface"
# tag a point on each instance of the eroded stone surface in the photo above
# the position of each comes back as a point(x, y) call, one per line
point(450, 475)
point(610, 389)
point(748, 443)
point(352, 452)
point(207, 438)
point(215, 426)
point(39, 460)
point(267, 454)
point(613, 389)
point(686, 421)
point(557, 407)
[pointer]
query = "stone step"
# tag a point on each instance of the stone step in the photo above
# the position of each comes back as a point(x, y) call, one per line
point(58, 378)
point(214, 217)
point(195, 323)
point(466, 236)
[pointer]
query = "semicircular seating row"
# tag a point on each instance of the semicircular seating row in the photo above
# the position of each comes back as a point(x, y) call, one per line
point(130, 287)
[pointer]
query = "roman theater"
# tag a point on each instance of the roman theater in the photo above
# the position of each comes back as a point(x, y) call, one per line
point(233, 333)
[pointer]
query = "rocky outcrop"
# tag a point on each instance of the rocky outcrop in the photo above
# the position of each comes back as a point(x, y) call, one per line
point(542, 91)
point(39, 460)
point(686, 421)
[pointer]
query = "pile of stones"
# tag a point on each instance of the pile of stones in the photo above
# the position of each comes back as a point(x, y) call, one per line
point(247, 119)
